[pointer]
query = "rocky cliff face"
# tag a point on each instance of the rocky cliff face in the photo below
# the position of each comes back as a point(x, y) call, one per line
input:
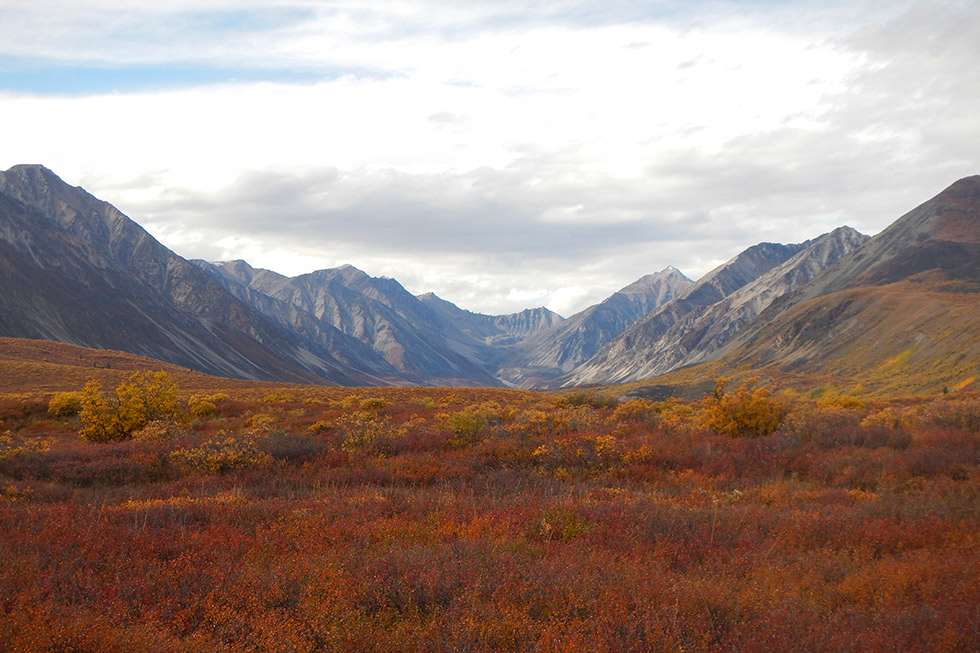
point(553, 352)
point(635, 350)
point(689, 333)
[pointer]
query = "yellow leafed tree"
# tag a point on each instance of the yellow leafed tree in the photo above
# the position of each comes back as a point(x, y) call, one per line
point(144, 397)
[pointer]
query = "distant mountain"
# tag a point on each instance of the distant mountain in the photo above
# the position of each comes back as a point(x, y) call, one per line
point(493, 330)
point(410, 335)
point(901, 309)
point(694, 327)
point(898, 308)
point(552, 352)
point(76, 270)
point(634, 351)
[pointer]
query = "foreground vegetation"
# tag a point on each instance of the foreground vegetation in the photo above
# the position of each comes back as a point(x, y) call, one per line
point(445, 519)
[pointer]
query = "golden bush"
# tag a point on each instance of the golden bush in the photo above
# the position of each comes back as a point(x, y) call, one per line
point(373, 403)
point(362, 431)
point(218, 456)
point(144, 397)
point(65, 404)
point(634, 410)
point(201, 407)
point(205, 405)
point(743, 412)
point(279, 398)
point(320, 426)
point(894, 417)
point(157, 430)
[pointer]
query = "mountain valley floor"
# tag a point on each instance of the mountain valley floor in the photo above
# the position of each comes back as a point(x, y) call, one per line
point(271, 517)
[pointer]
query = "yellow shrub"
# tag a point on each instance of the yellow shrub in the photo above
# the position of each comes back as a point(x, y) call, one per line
point(634, 410)
point(201, 407)
point(744, 412)
point(453, 399)
point(373, 403)
point(205, 405)
point(65, 404)
point(835, 400)
point(144, 397)
point(216, 456)
point(14, 448)
point(894, 417)
point(157, 430)
point(278, 397)
point(319, 427)
point(474, 422)
point(362, 431)
point(152, 395)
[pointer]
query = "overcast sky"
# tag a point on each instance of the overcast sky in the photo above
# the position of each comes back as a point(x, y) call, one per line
point(501, 154)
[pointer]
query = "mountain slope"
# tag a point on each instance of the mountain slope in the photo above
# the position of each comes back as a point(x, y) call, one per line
point(550, 353)
point(700, 334)
point(379, 312)
point(900, 307)
point(77, 270)
point(905, 305)
point(631, 354)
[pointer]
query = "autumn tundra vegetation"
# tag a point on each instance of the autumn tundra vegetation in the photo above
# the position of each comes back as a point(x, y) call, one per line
point(290, 518)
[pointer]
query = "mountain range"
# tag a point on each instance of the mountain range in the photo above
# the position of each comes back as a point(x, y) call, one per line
point(74, 269)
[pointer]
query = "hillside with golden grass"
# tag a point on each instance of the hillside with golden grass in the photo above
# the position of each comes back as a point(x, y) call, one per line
point(42, 366)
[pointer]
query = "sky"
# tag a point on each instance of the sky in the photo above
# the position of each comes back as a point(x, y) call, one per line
point(501, 154)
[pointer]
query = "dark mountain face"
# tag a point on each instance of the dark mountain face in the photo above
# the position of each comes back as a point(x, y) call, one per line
point(79, 271)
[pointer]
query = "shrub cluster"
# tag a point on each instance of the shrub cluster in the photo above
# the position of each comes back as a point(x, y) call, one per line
point(744, 412)
point(144, 397)
point(487, 519)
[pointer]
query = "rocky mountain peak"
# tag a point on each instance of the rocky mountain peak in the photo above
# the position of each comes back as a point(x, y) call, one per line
point(670, 278)
point(98, 278)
